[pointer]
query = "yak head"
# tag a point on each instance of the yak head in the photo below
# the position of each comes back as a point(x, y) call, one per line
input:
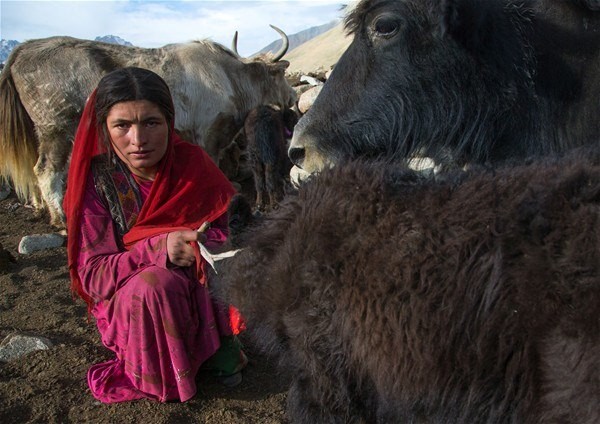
point(444, 79)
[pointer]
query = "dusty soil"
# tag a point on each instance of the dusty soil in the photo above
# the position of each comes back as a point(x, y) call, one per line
point(50, 386)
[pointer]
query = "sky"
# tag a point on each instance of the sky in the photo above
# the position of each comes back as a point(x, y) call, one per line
point(154, 23)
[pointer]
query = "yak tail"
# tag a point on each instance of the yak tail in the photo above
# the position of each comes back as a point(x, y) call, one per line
point(18, 142)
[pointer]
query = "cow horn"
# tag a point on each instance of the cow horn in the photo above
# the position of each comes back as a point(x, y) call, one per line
point(234, 44)
point(285, 45)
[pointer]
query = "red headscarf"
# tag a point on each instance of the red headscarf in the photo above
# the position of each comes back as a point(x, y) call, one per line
point(188, 190)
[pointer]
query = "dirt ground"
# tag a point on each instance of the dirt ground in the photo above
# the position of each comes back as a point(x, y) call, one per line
point(50, 386)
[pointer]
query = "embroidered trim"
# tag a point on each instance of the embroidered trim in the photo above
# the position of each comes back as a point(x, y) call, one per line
point(118, 190)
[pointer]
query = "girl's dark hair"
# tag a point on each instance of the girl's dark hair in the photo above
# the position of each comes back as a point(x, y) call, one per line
point(128, 84)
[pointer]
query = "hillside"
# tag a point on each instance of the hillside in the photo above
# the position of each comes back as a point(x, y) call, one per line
point(298, 38)
point(319, 53)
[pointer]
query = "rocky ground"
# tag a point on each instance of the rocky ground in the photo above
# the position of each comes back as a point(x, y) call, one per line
point(49, 385)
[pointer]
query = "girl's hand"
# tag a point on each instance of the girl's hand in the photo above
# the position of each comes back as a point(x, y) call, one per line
point(179, 251)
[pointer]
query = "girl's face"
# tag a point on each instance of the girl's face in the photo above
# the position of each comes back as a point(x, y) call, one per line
point(139, 133)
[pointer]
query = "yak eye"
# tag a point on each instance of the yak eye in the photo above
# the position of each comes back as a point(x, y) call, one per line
point(385, 26)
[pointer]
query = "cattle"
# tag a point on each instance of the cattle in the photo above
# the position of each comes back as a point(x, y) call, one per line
point(45, 83)
point(267, 131)
point(459, 81)
point(392, 297)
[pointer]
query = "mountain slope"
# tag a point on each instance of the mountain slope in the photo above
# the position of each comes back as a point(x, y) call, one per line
point(113, 39)
point(298, 38)
point(319, 53)
point(6, 47)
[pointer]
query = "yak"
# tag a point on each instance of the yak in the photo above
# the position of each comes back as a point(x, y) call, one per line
point(45, 83)
point(267, 130)
point(459, 81)
point(393, 297)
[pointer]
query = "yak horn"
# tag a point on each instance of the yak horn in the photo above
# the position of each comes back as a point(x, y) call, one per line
point(282, 51)
point(285, 44)
point(234, 44)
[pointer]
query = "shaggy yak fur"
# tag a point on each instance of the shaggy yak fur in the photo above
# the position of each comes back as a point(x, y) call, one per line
point(460, 81)
point(267, 130)
point(394, 298)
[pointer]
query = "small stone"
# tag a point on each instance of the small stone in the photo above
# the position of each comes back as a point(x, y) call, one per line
point(310, 80)
point(16, 345)
point(301, 89)
point(35, 242)
point(308, 98)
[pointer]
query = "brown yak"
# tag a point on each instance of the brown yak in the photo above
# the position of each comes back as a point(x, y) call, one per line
point(395, 298)
point(267, 130)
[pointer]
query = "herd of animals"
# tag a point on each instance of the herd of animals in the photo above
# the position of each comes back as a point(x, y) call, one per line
point(471, 295)
point(45, 83)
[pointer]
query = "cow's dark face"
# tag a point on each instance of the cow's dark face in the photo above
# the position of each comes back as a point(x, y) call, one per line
point(418, 73)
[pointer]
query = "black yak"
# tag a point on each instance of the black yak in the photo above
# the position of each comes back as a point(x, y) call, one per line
point(267, 130)
point(460, 81)
point(396, 298)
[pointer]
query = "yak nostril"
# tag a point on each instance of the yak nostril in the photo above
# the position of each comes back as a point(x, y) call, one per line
point(296, 155)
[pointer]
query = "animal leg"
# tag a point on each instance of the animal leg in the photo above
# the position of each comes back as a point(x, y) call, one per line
point(259, 184)
point(274, 185)
point(50, 171)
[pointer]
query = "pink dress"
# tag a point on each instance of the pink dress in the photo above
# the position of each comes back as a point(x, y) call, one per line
point(157, 318)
